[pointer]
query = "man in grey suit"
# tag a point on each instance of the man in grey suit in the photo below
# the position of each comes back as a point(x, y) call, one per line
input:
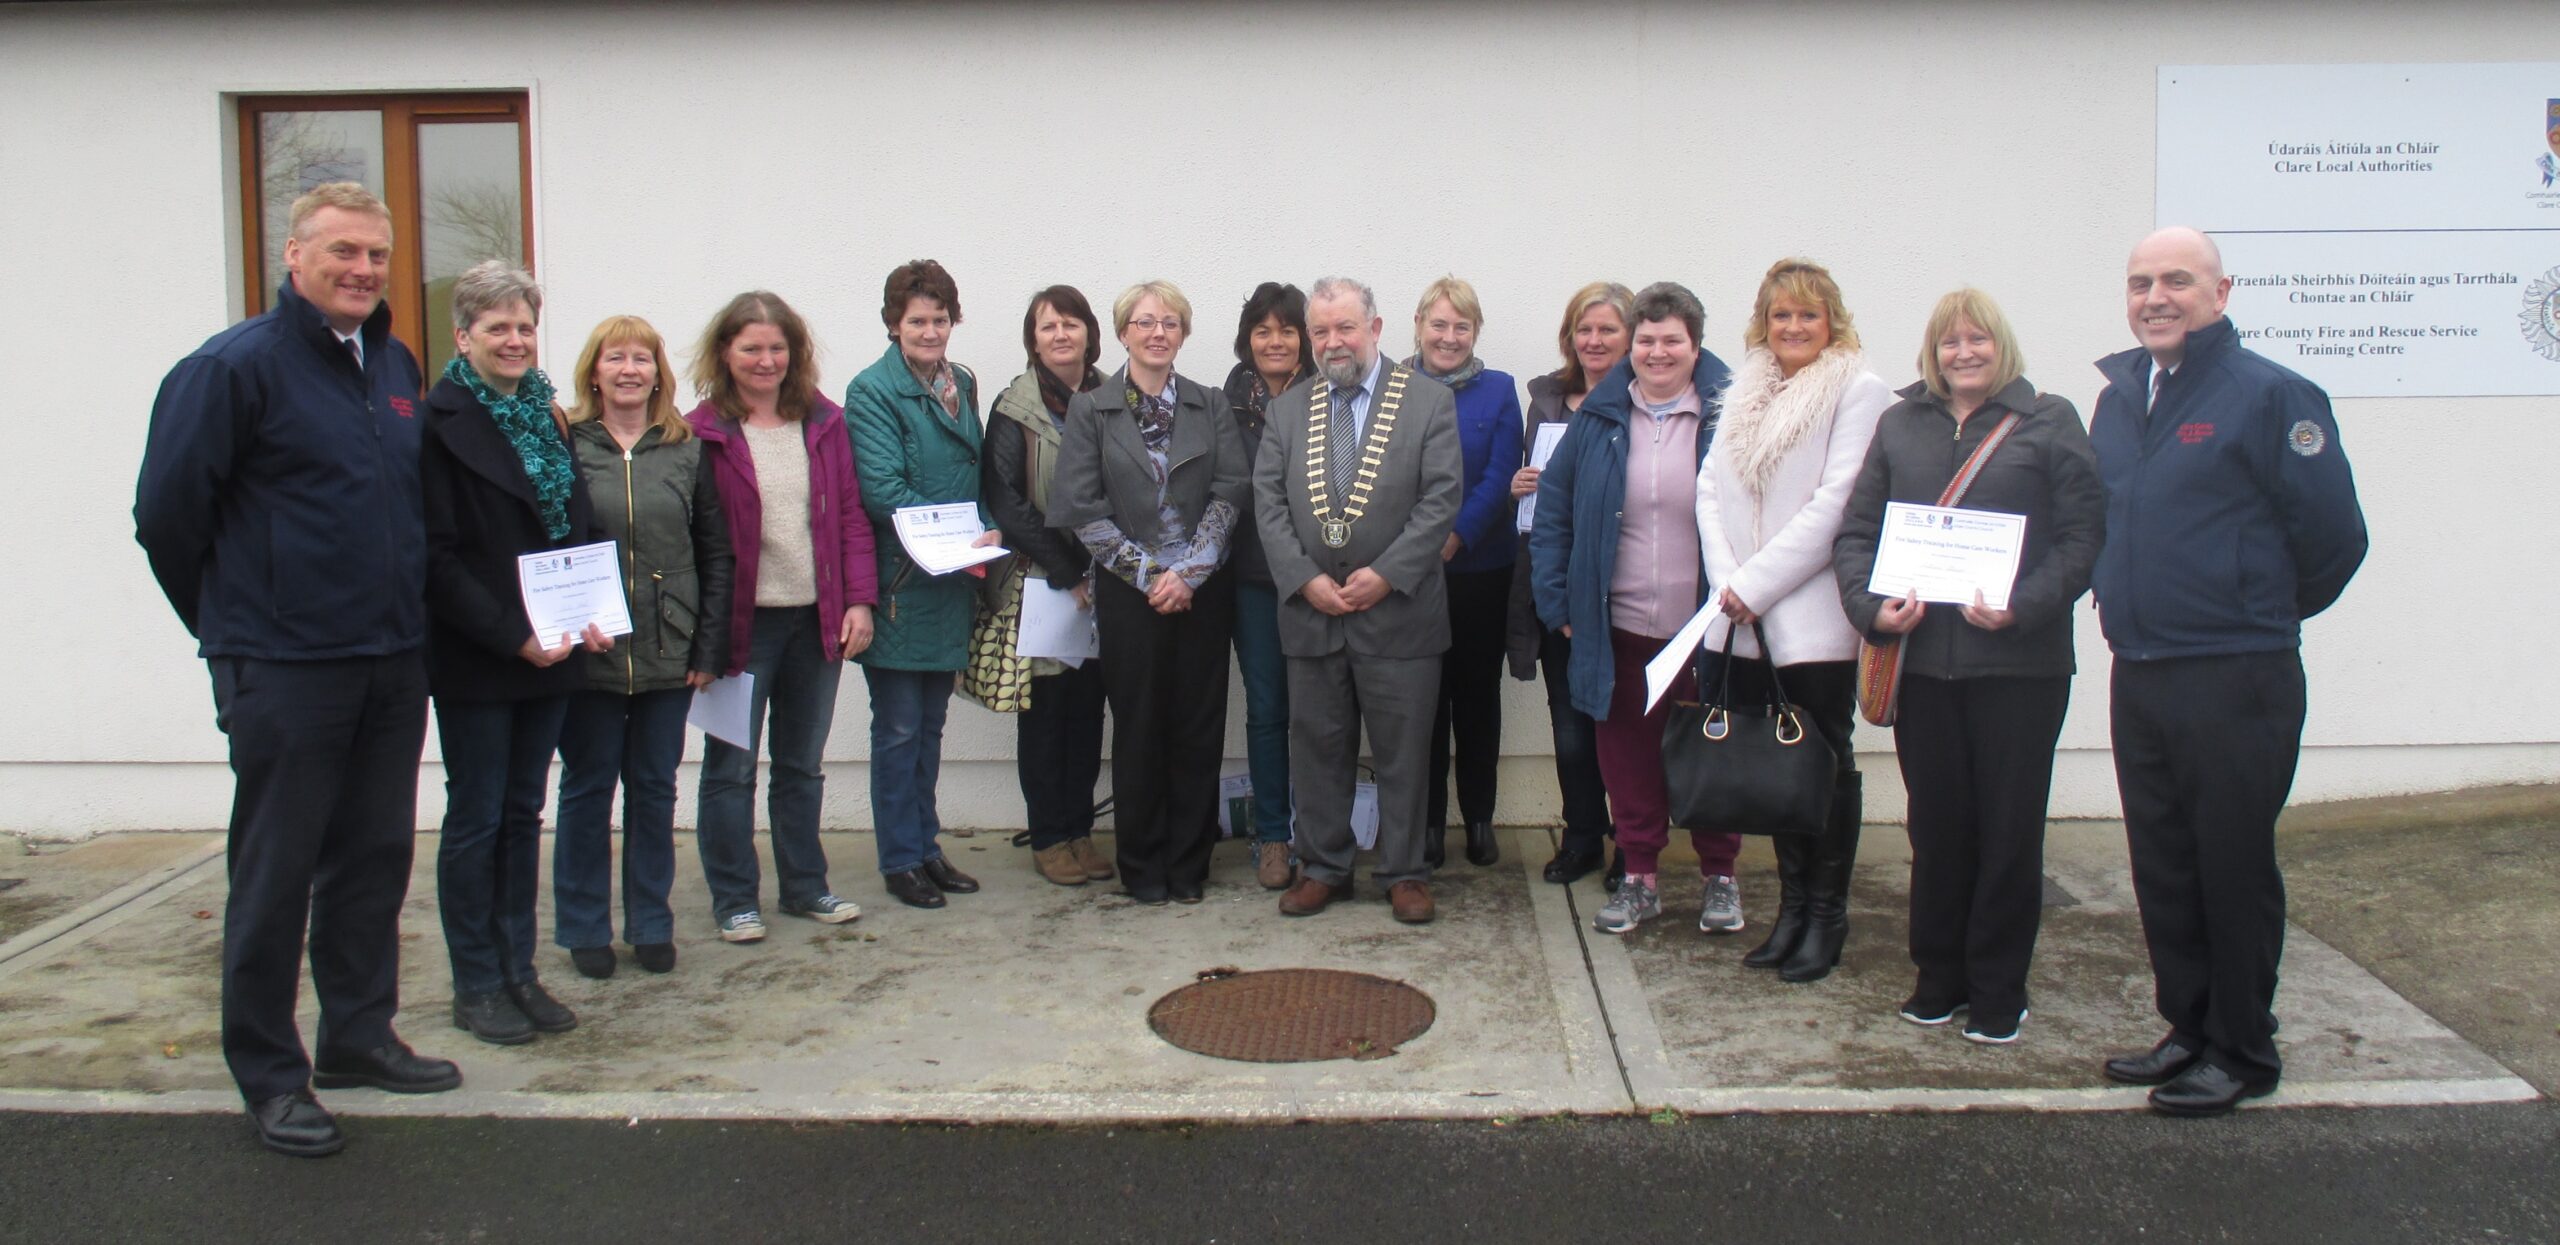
point(1354, 491)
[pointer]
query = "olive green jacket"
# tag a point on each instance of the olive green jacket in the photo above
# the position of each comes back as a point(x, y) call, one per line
point(661, 505)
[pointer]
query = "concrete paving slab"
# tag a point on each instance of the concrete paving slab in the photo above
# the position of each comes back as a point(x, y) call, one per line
point(44, 893)
point(1735, 1039)
point(1025, 1002)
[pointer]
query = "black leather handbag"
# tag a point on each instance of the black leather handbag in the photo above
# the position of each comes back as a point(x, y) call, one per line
point(1746, 769)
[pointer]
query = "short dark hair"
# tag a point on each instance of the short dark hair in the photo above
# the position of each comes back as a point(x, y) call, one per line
point(1066, 300)
point(914, 279)
point(1272, 298)
point(1670, 300)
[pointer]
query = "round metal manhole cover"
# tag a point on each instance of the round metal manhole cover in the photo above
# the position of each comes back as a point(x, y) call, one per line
point(1292, 1015)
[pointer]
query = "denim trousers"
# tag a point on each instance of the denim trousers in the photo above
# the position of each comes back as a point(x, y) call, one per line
point(907, 710)
point(497, 775)
point(1266, 708)
point(1586, 803)
point(637, 741)
point(791, 707)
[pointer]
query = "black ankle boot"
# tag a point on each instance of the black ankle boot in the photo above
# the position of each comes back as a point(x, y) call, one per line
point(1435, 844)
point(1482, 847)
point(1795, 855)
point(1826, 902)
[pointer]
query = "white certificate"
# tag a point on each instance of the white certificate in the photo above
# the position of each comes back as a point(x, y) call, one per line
point(1541, 448)
point(1948, 555)
point(726, 710)
point(938, 537)
point(1054, 626)
point(566, 589)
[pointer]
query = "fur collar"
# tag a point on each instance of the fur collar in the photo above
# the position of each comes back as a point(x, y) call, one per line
point(1765, 416)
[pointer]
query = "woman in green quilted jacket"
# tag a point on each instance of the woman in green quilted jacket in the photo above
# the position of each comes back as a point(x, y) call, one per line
point(913, 417)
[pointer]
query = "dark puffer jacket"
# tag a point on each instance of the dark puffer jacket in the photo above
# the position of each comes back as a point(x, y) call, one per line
point(2044, 470)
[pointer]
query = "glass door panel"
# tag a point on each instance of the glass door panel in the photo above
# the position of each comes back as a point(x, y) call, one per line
point(470, 208)
point(300, 150)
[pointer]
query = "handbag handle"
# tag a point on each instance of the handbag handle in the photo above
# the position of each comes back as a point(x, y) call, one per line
point(1719, 720)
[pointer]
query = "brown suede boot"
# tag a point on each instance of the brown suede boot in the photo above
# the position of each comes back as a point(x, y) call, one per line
point(1272, 866)
point(1059, 864)
point(1090, 858)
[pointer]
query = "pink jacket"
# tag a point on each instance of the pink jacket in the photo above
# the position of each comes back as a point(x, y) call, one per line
point(840, 534)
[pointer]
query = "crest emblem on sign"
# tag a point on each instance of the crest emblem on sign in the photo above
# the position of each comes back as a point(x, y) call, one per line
point(2540, 318)
point(2549, 162)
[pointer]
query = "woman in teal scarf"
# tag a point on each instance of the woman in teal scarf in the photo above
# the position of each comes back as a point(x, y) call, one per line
point(495, 473)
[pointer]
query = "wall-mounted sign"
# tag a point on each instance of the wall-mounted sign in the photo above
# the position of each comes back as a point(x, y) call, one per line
point(2390, 230)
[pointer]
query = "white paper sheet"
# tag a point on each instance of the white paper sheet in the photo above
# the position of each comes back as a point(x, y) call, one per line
point(1053, 625)
point(726, 710)
point(566, 589)
point(1948, 554)
point(938, 537)
point(1676, 655)
point(1541, 448)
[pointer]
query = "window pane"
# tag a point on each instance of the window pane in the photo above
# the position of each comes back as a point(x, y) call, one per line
point(471, 208)
point(300, 150)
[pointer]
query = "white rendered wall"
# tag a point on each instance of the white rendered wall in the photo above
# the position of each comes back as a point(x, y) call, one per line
point(683, 154)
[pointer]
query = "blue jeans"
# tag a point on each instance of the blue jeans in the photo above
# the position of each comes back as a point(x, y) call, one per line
point(638, 741)
point(907, 709)
point(1266, 707)
point(796, 682)
point(497, 775)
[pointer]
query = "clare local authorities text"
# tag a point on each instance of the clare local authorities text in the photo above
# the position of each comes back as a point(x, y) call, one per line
point(2368, 287)
point(2309, 157)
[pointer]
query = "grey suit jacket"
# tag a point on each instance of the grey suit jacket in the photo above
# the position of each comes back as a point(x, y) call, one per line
point(1103, 471)
point(1411, 509)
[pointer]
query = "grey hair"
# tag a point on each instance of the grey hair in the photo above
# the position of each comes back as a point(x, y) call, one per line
point(1336, 287)
point(490, 285)
point(1670, 300)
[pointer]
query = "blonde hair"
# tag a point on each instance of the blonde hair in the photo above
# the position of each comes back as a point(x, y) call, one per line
point(346, 196)
point(588, 404)
point(1975, 308)
point(1126, 305)
point(1806, 283)
point(1462, 299)
point(1610, 294)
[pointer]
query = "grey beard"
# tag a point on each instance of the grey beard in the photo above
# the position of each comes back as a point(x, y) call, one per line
point(1342, 375)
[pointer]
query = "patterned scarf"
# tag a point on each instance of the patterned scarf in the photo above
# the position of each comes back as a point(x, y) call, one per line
point(1155, 418)
point(1460, 379)
point(525, 417)
point(944, 387)
point(1257, 400)
point(1054, 393)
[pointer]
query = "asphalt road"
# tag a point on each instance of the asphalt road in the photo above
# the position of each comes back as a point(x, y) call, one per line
point(2408, 1174)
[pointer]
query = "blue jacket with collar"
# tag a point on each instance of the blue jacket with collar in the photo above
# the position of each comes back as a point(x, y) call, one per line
point(279, 499)
point(1573, 538)
point(2231, 511)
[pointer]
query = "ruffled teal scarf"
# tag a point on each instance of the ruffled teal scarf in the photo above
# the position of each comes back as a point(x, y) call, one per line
point(525, 416)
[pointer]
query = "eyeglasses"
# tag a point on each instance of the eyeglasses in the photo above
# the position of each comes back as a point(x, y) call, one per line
point(1149, 324)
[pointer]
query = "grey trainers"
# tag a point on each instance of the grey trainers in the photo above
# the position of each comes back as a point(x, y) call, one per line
point(744, 926)
point(1722, 912)
point(830, 908)
point(1632, 904)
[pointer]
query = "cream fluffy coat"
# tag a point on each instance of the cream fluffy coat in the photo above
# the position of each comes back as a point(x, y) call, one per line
point(1785, 456)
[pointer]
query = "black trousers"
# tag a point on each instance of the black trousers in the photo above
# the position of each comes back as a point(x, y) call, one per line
point(324, 816)
point(1470, 697)
point(1165, 677)
point(1577, 741)
point(1977, 759)
point(2205, 750)
point(1058, 751)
